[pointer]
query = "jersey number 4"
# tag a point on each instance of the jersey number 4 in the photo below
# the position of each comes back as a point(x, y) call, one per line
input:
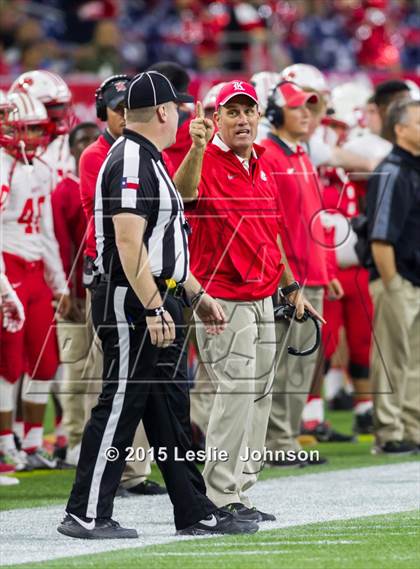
point(31, 214)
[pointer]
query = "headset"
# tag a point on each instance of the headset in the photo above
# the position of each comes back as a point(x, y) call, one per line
point(274, 113)
point(99, 94)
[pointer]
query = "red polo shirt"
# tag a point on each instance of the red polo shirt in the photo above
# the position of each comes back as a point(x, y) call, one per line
point(70, 229)
point(179, 149)
point(90, 163)
point(306, 242)
point(234, 251)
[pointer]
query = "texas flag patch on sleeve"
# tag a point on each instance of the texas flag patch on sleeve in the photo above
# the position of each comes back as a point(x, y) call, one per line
point(129, 187)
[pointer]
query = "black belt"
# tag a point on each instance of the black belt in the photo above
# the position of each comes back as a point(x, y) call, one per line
point(167, 286)
point(170, 286)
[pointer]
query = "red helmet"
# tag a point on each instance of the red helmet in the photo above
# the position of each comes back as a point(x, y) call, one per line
point(24, 117)
point(53, 92)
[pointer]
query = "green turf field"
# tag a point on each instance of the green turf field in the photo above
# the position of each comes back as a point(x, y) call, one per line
point(43, 488)
point(383, 542)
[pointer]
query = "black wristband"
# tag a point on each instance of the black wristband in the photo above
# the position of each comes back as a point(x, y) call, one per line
point(197, 297)
point(155, 311)
point(292, 287)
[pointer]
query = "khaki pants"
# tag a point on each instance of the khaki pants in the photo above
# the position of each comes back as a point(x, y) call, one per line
point(74, 341)
point(240, 362)
point(202, 398)
point(203, 391)
point(395, 369)
point(293, 378)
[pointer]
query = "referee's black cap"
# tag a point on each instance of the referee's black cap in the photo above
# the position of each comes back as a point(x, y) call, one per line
point(151, 88)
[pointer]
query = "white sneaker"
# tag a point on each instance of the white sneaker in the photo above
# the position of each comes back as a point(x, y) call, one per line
point(72, 455)
point(19, 459)
point(8, 481)
point(41, 460)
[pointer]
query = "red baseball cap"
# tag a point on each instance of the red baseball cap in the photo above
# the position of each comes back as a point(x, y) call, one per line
point(233, 89)
point(288, 94)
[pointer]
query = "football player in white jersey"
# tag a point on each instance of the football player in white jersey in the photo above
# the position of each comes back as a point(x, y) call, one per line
point(54, 94)
point(322, 144)
point(33, 266)
point(11, 310)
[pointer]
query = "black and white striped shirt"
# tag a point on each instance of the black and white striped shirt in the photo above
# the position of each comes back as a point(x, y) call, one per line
point(134, 179)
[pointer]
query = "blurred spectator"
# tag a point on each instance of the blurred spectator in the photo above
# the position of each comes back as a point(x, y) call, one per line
point(102, 55)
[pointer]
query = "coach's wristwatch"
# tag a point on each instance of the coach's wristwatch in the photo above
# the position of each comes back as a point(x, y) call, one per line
point(292, 287)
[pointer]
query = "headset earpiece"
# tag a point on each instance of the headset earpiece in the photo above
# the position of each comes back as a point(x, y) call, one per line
point(99, 94)
point(274, 113)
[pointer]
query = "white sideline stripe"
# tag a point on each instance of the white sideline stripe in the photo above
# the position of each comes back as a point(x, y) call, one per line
point(117, 403)
point(30, 535)
point(238, 552)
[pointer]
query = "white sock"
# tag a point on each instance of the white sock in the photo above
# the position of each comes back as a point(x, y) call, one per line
point(7, 443)
point(334, 380)
point(33, 438)
point(313, 411)
point(18, 429)
point(363, 406)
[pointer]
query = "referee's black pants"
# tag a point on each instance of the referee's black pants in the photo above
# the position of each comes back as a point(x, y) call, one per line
point(140, 381)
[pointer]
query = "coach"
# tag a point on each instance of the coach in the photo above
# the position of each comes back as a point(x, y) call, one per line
point(142, 251)
point(393, 210)
point(236, 257)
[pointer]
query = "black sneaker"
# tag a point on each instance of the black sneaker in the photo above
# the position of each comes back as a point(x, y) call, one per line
point(363, 423)
point(342, 401)
point(294, 462)
point(88, 528)
point(395, 448)
point(147, 488)
point(251, 514)
point(315, 460)
point(220, 522)
point(325, 434)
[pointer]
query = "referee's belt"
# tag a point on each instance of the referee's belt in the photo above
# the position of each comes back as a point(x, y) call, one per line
point(167, 286)
point(170, 286)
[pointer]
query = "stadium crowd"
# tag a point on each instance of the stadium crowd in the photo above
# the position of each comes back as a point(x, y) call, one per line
point(343, 165)
point(107, 36)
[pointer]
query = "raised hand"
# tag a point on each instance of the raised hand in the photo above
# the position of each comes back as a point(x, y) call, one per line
point(201, 129)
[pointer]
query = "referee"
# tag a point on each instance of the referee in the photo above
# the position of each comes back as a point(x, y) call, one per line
point(142, 257)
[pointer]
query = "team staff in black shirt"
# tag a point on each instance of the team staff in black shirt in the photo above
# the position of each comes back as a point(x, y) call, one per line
point(393, 211)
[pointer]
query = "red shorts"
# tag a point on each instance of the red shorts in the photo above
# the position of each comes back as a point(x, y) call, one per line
point(355, 312)
point(33, 349)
